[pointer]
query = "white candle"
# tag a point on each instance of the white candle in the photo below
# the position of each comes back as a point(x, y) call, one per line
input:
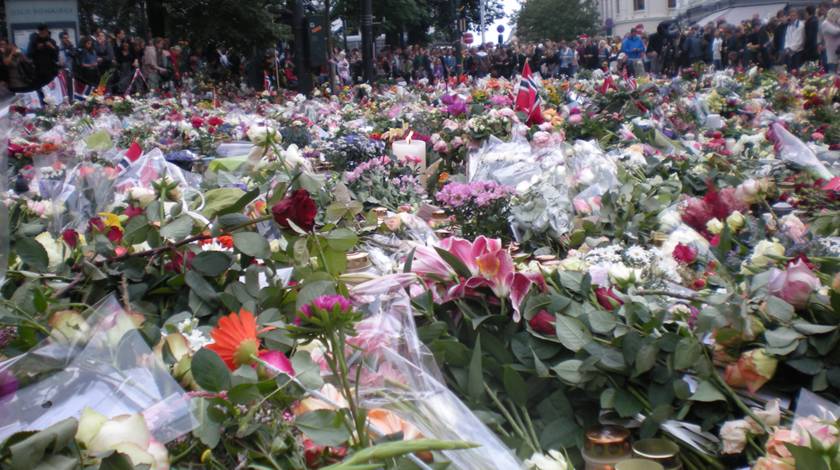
point(410, 149)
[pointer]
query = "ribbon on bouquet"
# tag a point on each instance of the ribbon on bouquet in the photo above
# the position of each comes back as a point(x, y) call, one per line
point(194, 214)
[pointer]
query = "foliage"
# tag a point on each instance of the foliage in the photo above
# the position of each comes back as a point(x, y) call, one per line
point(538, 20)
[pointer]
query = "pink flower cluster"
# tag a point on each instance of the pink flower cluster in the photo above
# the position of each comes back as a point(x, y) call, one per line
point(479, 193)
point(327, 303)
point(373, 163)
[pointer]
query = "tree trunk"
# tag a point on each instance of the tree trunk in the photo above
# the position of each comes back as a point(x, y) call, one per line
point(331, 65)
point(155, 13)
point(367, 40)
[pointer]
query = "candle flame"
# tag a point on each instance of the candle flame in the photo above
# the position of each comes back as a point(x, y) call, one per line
point(408, 139)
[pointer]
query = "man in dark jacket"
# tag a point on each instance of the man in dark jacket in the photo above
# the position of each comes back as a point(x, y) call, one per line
point(43, 51)
point(812, 31)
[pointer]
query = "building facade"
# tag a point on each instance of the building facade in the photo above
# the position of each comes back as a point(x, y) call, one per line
point(24, 16)
point(620, 16)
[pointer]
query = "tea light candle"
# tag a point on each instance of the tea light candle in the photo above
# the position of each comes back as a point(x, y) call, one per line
point(410, 149)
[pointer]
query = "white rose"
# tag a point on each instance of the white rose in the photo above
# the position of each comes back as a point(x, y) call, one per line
point(142, 195)
point(734, 436)
point(127, 434)
point(262, 135)
point(294, 157)
point(714, 226)
point(736, 221)
point(764, 249)
point(56, 252)
point(621, 274)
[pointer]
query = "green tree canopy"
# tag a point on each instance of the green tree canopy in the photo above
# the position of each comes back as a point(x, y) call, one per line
point(539, 20)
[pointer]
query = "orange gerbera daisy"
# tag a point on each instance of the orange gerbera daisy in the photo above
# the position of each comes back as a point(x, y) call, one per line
point(235, 339)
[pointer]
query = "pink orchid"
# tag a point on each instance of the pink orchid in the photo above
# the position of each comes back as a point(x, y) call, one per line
point(489, 265)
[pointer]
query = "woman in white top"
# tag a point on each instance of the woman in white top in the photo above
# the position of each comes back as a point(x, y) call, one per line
point(830, 30)
point(717, 48)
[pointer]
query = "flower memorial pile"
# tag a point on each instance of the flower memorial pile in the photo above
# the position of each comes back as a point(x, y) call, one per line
point(262, 282)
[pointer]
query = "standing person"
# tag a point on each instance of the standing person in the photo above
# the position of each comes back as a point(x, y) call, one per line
point(694, 46)
point(19, 69)
point(655, 48)
point(812, 30)
point(831, 35)
point(717, 49)
point(104, 52)
point(43, 52)
point(795, 39)
point(634, 48)
point(67, 55)
point(149, 65)
point(343, 69)
point(125, 68)
point(604, 53)
point(87, 73)
point(565, 56)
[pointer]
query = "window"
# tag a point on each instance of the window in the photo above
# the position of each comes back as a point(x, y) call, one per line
point(639, 4)
point(672, 3)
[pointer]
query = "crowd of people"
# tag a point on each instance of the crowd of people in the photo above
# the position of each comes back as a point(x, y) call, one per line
point(118, 64)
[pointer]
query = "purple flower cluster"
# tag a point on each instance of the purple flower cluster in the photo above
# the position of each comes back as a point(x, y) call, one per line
point(327, 303)
point(479, 193)
point(362, 168)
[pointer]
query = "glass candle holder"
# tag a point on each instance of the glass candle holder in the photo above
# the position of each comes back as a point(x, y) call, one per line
point(639, 464)
point(606, 446)
point(662, 451)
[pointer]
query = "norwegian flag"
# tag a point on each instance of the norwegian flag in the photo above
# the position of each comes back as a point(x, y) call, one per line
point(528, 98)
point(131, 155)
point(609, 83)
point(631, 83)
point(267, 82)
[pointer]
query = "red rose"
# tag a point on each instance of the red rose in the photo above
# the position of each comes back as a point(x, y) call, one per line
point(71, 237)
point(543, 323)
point(607, 298)
point(197, 122)
point(115, 235)
point(298, 208)
point(132, 211)
point(215, 121)
point(684, 253)
point(96, 224)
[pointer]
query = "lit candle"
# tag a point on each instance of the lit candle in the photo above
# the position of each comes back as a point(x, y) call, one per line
point(410, 150)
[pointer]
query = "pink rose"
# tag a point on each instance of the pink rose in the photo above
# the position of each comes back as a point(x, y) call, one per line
point(817, 136)
point(776, 443)
point(581, 206)
point(457, 142)
point(812, 428)
point(772, 463)
point(794, 285)
point(440, 147)
point(575, 119)
point(541, 139)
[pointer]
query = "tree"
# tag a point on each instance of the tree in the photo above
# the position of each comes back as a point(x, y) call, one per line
point(555, 20)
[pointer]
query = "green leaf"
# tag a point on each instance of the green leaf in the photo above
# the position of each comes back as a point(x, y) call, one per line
point(475, 385)
point(27, 452)
point(117, 461)
point(208, 431)
point(602, 322)
point(781, 337)
point(646, 357)
point(707, 392)
point(342, 239)
point(212, 263)
point(687, 354)
point(457, 265)
point(307, 371)
point(218, 201)
point(244, 393)
point(324, 427)
point(811, 329)
point(779, 309)
point(200, 286)
point(210, 371)
point(32, 253)
point(807, 458)
point(569, 371)
point(252, 244)
point(241, 203)
point(806, 365)
point(177, 229)
point(515, 387)
point(572, 333)
point(626, 404)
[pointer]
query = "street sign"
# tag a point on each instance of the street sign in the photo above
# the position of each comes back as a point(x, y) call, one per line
point(500, 29)
point(468, 38)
